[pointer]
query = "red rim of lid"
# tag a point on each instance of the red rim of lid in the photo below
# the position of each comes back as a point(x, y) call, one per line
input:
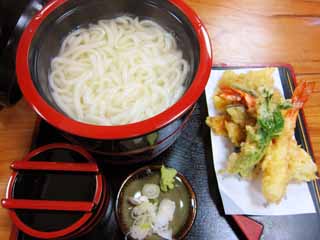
point(67, 124)
point(76, 225)
point(98, 216)
point(54, 166)
point(29, 204)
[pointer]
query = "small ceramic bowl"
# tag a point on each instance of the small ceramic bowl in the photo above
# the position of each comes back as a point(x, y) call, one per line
point(183, 195)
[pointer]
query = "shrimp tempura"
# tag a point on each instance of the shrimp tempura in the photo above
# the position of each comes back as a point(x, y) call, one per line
point(275, 165)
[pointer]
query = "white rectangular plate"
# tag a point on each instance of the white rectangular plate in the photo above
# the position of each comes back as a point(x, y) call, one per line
point(245, 197)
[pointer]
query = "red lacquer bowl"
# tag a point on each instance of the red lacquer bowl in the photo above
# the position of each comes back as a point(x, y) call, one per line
point(42, 39)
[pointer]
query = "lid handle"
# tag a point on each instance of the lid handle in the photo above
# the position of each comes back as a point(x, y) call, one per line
point(55, 166)
point(73, 206)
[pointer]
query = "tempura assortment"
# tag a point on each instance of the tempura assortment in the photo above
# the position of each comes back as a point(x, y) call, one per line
point(260, 123)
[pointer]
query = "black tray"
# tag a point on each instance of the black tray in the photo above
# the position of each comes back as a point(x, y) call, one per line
point(191, 155)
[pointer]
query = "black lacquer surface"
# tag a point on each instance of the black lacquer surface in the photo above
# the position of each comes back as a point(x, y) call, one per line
point(14, 17)
point(191, 155)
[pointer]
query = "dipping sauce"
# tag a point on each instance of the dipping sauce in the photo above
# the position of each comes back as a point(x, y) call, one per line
point(180, 195)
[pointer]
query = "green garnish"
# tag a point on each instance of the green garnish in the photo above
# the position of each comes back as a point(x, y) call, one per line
point(145, 226)
point(285, 105)
point(154, 201)
point(270, 124)
point(152, 138)
point(270, 120)
point(167, 178)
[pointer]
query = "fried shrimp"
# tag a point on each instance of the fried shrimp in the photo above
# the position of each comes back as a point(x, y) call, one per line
point(237, 95)
point(275, 166)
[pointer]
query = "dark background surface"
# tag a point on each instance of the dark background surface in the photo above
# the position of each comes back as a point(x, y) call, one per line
point(14, 16)
point(191, 155)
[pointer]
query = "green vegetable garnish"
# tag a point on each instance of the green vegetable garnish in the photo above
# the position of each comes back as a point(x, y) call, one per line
point(167, 178)
point(285, 104)
point(270, 123)
point(152, 138)
point(145, 226)
point(154, 201)
point(270, 120)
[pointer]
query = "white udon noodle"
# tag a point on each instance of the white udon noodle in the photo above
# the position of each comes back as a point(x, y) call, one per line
point(118, 71)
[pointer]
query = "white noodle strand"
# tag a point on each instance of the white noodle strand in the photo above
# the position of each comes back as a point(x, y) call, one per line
point(117, 72)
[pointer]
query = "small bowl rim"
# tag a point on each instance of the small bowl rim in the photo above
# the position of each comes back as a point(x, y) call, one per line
point(67, 124)
point(193, 199)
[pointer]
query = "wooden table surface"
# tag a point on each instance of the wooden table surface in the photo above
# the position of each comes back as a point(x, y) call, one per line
point(242, 32)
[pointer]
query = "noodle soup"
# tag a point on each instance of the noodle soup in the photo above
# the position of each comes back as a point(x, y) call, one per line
point(117, 72)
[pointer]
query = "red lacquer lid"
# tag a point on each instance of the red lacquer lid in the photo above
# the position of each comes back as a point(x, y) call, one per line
point(54, 191)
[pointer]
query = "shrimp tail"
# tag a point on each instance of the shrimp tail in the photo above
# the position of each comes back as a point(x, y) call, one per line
point(300, 97)
point(302, 93)
point(237, 95)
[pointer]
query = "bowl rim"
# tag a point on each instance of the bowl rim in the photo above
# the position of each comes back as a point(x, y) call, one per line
point(100, 211)
point(67, 124)
point(78, 223)
point(193, 200)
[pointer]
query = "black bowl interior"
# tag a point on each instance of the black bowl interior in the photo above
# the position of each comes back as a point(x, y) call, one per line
point(74, 13)
point(55, 186)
